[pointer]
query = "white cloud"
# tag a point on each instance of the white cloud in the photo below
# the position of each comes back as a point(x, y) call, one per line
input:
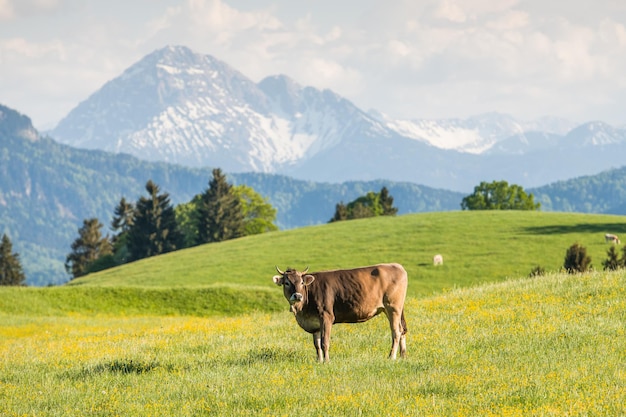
point(443, 58)
point(6, 10)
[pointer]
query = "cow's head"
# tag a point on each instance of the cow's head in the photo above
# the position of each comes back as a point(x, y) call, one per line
point(293, 283)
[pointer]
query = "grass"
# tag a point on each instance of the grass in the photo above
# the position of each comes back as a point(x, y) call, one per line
point(211, 300)
point(553, 345)
point(477, 247)
point(204, 332)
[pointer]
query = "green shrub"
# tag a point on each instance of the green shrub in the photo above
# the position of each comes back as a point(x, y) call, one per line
point(576, 259)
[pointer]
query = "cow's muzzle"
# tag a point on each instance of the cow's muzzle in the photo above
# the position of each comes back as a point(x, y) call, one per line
point(296, 297)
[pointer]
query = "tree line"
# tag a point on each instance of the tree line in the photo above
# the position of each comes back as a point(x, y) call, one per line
point(370, 205)
point(152, 225)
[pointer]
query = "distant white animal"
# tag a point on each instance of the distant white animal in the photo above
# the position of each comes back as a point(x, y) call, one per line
point(437, 260)
point(611, 238)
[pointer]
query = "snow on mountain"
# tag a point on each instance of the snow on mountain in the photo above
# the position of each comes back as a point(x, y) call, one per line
point(474, 135)
point(178, 106)
point(595, 134)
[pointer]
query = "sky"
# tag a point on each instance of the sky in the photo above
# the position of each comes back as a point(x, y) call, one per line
point(426, 59)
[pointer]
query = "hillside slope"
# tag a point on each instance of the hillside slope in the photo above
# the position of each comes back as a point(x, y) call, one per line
point(547, 346)
point(47, 189)
point(477, 247)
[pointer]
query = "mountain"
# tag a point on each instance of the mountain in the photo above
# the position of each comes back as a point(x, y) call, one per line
point(181, 107)
point(476, 135)
point(178, 106)
point(47, 189)
point(600, 193)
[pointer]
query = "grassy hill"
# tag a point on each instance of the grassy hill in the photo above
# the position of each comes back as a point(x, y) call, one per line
point(234, 277)
point(477, 247)
point(546, 346)
point(204, 332)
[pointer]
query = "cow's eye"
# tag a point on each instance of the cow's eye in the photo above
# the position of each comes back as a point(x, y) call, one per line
point(287, 283)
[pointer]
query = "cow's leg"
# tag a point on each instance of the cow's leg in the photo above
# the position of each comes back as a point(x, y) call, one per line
point(317, 342)
point(403, 337)
point(327, 324)
point(395, 323)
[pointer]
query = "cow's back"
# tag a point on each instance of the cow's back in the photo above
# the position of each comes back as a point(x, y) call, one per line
point(358, 294)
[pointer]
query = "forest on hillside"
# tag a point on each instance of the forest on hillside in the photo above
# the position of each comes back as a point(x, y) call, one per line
point(47, 189)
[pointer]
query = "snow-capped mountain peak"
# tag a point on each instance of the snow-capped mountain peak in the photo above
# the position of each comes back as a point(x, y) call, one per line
point(475, 135)
point(179, 106)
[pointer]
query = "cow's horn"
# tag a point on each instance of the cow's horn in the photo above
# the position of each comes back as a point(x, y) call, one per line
point(305, 270)
point(279, 271)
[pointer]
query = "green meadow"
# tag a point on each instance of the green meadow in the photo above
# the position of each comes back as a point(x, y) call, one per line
point(204, 331)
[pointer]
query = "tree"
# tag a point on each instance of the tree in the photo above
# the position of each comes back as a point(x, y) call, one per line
point(87, 248)
point(10, 267)
point(123, 220)
point(612, 263)
point(123, 217)
point(386, 203)
point(187, 219)
point(220, 215)
point(341, 213)
point(622, 260)
point(368, 205)
point(499, 195)
point(258, 214)
point(576, 259)
point(154, 230)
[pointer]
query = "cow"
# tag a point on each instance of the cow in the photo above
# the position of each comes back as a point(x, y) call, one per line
point(320, 299)
point(611, 238)
point(437, 260)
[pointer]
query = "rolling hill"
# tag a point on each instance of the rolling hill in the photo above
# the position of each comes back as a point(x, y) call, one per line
point(523, 347)
point(191, 333)
point(477, 247)
point(47, 189)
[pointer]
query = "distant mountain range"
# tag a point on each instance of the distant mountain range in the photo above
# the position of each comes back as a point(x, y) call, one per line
point(178, 106)
point(47, 189)
point(176, 114)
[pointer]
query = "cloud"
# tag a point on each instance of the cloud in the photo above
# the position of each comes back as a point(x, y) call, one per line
point(411, 59)
point(16, 9)
point(6, 10)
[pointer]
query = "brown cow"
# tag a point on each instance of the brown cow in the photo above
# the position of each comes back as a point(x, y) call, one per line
point(320, 299)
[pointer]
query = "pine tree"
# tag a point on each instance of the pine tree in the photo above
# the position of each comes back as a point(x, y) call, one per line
point(622, 260)
point(123, 217)
point(10, 267)
point(87, 248)
point(386, 202)
point(154, 230)
point(123, 220)
point(612, 262)
point(576, 259)
point(220, 214)
point(341, 213)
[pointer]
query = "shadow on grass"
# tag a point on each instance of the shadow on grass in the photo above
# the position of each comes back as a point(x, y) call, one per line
point(576, 228)
point(267, 355)
point(119, 366)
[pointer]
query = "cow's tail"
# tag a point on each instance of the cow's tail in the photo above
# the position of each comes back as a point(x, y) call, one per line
point(403, 323)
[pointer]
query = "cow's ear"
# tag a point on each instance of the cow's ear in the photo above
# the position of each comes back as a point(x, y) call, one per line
point(308, 279)
point(278, 279)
